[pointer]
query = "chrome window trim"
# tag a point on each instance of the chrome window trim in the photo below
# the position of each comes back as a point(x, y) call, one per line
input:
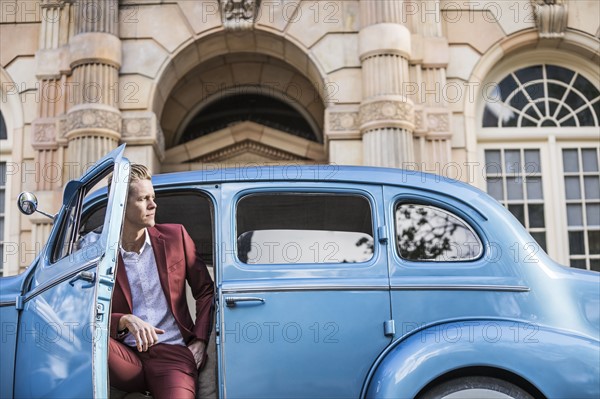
point(460, 287)
point(411, 287)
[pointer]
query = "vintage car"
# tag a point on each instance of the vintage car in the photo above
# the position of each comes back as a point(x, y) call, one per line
point(331, 282)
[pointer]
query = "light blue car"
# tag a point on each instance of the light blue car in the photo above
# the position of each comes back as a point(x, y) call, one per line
point(332, 282)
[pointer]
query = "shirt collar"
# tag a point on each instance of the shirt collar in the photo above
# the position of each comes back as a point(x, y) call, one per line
point(147, 243)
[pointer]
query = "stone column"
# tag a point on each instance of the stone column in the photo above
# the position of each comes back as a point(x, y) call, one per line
point(428, 73)
point(48, 142)
point(93, 122)
point(386, 115)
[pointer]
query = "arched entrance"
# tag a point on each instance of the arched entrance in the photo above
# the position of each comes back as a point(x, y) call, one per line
point(243, 106)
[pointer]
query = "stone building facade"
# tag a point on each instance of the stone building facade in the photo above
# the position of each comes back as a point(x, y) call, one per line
point(502, 94)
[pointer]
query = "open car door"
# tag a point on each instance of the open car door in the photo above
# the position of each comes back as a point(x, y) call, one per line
point(63, 307)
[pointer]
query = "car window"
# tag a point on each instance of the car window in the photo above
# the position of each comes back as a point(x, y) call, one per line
point(195, 212)
point(289, 228)
point(72, 237)
point(428, 233)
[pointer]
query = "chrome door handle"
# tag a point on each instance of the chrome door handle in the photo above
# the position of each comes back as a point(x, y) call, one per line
point(88, 276)
point(231, 301)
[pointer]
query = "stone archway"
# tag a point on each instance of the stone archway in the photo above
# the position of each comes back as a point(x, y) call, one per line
point(240, 64)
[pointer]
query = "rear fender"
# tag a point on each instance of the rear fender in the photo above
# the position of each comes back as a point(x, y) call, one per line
point(557, 363)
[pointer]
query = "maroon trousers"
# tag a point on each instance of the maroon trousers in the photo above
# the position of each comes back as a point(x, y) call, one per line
point(167, 371)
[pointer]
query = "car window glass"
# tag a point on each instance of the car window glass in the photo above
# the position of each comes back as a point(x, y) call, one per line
point(195, 212)
point(428, 233)
point(284, 228)
point(72, 237)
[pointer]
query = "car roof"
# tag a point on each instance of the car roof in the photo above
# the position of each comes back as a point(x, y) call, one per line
point(209, 174)
point(315, 173)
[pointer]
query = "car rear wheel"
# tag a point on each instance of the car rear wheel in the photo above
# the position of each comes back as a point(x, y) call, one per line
point(476, 388)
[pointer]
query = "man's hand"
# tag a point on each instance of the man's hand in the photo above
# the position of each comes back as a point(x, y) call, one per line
point(197, 348)
point(144, 333)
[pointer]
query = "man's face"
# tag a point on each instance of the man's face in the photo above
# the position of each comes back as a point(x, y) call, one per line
point(141, 207)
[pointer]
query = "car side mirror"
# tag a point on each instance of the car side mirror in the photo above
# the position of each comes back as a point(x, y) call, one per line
point(28, 203)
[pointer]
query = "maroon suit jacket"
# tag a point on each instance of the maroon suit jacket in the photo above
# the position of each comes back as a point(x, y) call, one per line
point(177, 261)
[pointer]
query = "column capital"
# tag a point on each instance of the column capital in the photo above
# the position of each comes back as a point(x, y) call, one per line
point(391, 111)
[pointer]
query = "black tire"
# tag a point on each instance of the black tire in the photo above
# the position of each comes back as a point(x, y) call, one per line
point(475, 388)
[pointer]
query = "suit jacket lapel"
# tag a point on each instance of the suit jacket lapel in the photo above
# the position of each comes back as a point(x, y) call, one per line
point(123, 282)
point(160, 254)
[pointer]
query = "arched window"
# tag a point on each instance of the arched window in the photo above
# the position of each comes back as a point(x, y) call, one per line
point(543, 96)
point(540, 141)
point(265, 110)
point(3, 134)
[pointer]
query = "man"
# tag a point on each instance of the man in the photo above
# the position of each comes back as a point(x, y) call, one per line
point(155, 346)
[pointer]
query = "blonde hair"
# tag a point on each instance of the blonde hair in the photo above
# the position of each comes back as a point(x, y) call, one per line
point(136, 172)
point(139, 172)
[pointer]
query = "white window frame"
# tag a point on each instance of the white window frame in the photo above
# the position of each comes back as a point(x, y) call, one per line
point(549, 140)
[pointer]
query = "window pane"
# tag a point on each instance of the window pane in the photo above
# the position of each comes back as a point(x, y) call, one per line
point(586, 87)
point(585, 117)
point(594, 242)
point(507, 86)
point(512, 161)
point(592, 187)
point(561, 74)
point(514, 188)
point(540, 238)
point(574, 215)
point(287, 228)
point(555, 91)
point(570, 161)
point(574, 100)
point(428, 233)
point(2, 173)
point(535, 91)
point(529, 73)
point(572, 189)
point(590, 159)
point(495, 189)
point(536, 215)
point(490, 119)
point(2, 200)
point(493, 161)
point(592, 213)
point(569, 122)
point(519, 101)
point(532, 161)
point(534, 188)
point(519, 212)
point(595, 265)
point(578, 263)
point(576, 246)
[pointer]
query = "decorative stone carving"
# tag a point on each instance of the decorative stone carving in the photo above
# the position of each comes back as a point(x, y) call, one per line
point(248, 146)
point(551, 17)
point(136, 127)
point(387, 113)
point(438, 122)
point(343, 121)
point(141, 128)
point(44, 134)
point(93, 119)
point(239, 14)
point(420, 128)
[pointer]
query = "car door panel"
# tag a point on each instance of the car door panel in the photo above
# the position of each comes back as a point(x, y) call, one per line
point(291, 330)
point(62, 312)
